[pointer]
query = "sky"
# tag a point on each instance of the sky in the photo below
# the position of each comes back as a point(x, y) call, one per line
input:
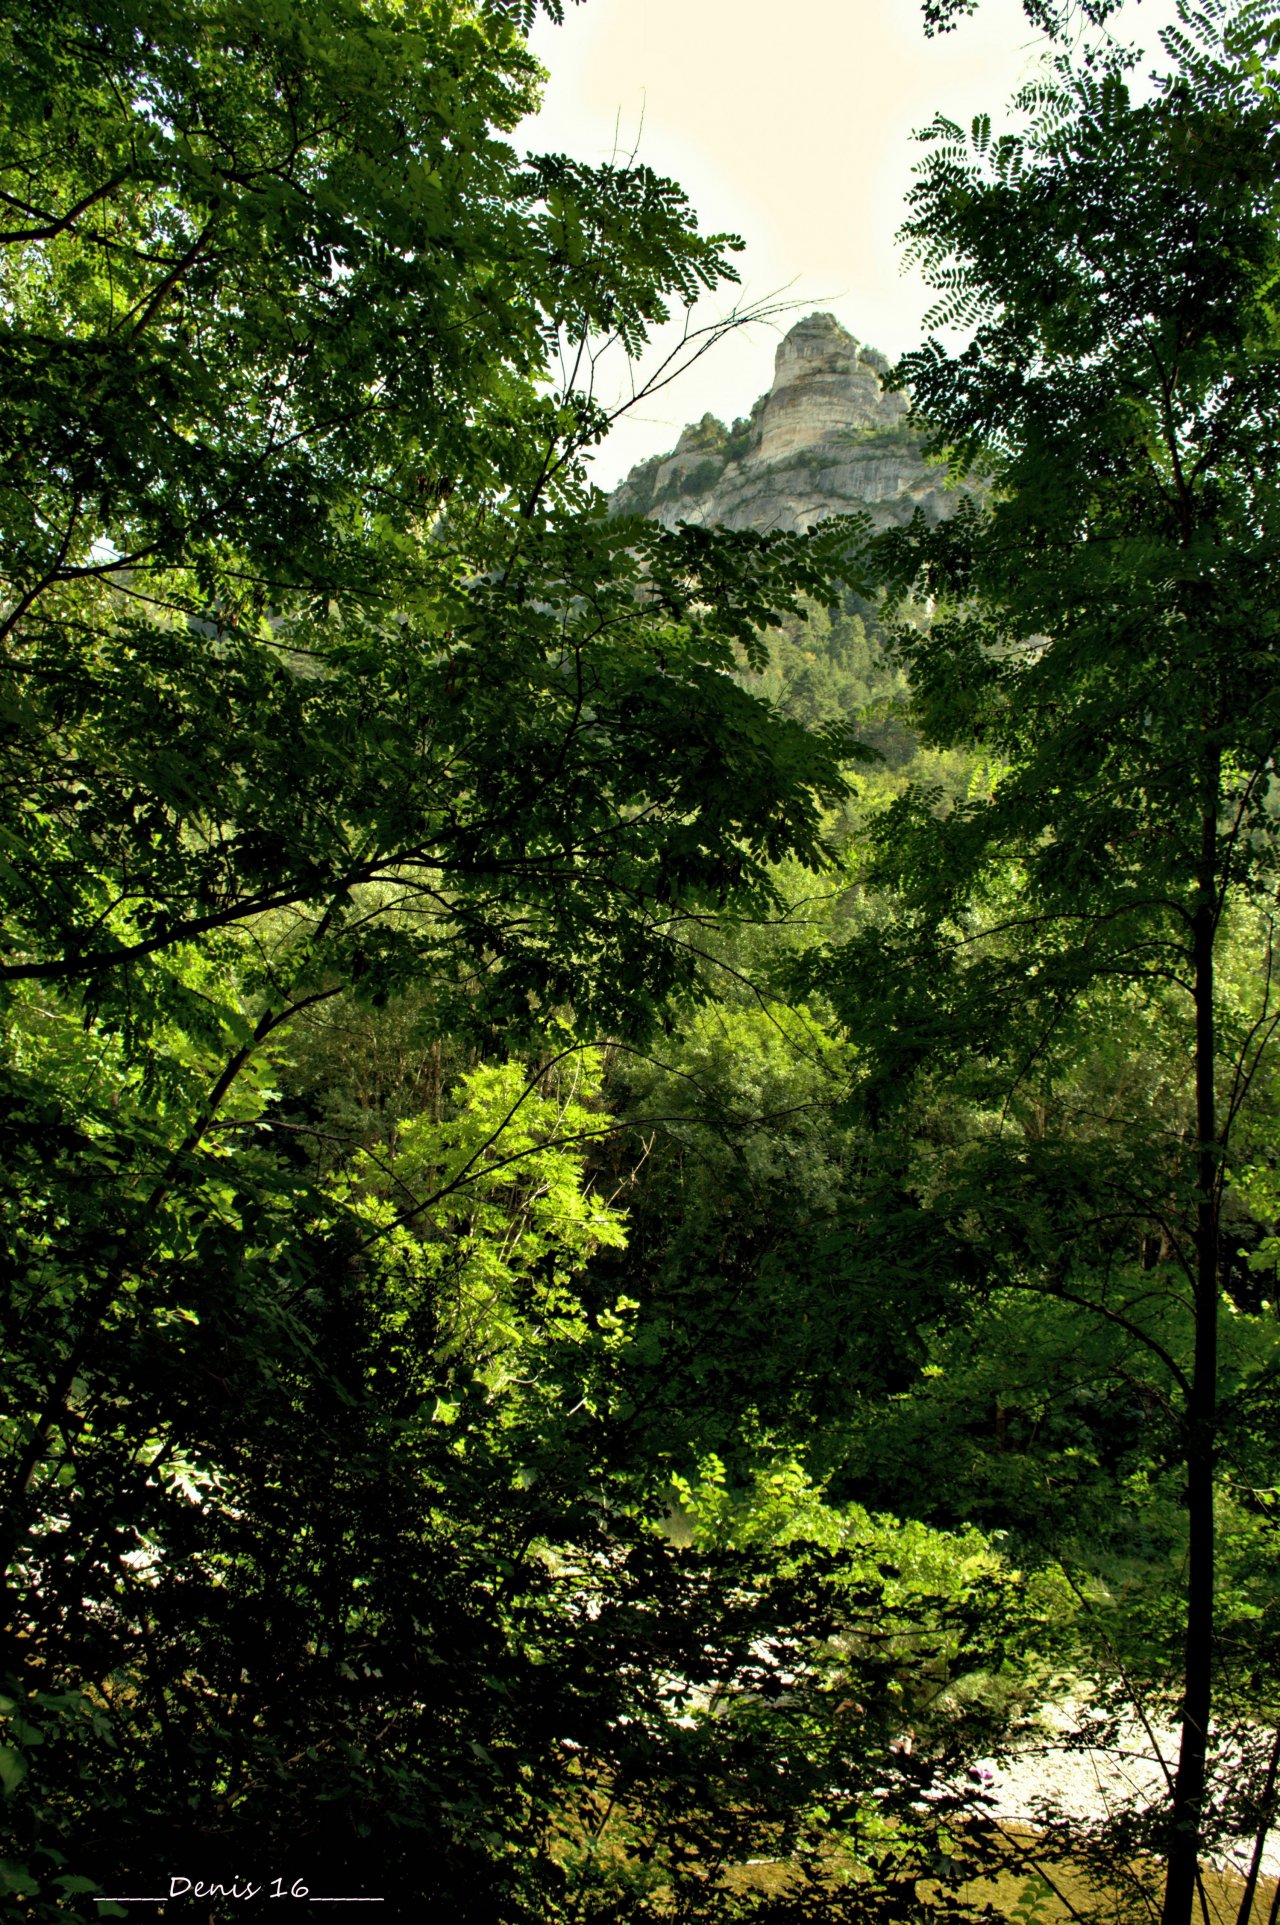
point(790, 123)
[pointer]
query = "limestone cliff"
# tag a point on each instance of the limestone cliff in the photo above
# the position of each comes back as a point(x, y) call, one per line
point(826, 440)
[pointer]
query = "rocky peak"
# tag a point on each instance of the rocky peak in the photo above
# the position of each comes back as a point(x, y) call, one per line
point(824, 387)
point(825, 440)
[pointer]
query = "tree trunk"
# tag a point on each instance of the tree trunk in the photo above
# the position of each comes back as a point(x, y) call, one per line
point(1187, 1815)
point(1244, 1915)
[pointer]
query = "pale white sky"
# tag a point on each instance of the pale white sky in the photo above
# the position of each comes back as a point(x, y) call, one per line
point(790, 123)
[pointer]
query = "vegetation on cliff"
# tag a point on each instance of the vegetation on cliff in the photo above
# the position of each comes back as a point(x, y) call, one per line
point(826, 439)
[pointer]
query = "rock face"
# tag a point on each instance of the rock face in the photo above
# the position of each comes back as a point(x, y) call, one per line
point(825, 440)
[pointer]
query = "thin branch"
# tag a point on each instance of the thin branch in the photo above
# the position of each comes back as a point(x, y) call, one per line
point(56, 224)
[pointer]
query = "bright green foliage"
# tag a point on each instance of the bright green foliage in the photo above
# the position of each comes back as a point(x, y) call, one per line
point(361, 778)
point(326, 686)
point(483, 1220)
point(354, 1562)
point(955, 1636)
point(831, 667)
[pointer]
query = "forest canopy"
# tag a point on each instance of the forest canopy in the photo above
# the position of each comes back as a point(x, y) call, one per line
point(640, 1164)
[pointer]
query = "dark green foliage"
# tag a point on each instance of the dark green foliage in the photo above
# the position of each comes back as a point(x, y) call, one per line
point(328, 686)
point(361, 776)
point(1103, 627)
point(1056, 20)
point(236, 598)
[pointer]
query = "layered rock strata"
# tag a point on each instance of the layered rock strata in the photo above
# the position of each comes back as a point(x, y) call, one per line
point(825, 440)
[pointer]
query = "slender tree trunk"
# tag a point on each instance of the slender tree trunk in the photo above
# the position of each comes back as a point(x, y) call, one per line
point(1245, 1914)
point(1201, 1417)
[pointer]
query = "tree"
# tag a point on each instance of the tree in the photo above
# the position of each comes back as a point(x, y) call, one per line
point(256, 343)
point(325, 680)
point(1104, 629)
point(1048, 16)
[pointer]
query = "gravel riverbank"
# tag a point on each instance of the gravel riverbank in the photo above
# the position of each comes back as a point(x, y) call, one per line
point(1056, 1772)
